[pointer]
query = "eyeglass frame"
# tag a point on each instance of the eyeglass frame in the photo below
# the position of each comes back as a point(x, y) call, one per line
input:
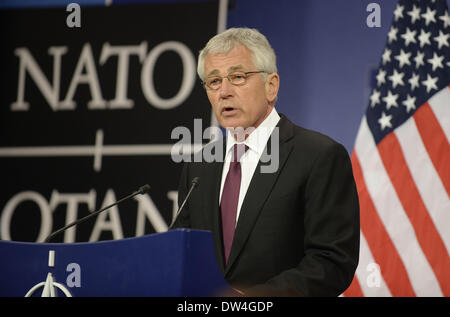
point(227, 77)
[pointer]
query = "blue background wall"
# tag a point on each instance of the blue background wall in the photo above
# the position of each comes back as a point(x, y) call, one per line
point(327, 57)
point(326, 54)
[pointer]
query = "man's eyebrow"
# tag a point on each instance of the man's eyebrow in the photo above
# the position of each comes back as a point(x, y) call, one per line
point(235, 68)
point(231, 69)
point(214, 72)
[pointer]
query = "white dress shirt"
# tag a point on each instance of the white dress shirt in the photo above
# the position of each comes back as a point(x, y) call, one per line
point(256, 143)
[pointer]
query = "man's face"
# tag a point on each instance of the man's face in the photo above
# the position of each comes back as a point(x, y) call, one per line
point(238, 106)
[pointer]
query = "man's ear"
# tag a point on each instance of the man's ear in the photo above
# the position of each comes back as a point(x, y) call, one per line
point(271, 86)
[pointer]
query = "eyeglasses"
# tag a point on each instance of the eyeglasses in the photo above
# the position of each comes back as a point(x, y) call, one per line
point(236, 78)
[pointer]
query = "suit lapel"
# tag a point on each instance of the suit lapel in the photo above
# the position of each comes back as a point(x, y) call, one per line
point(260, 187)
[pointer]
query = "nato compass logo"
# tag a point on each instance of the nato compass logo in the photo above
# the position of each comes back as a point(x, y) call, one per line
point(49, 285)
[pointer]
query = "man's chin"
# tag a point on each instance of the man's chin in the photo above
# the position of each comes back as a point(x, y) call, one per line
point(230, 123)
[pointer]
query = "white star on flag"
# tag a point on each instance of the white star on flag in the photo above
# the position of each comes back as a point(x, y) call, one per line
point(409, 36)
point(392, 35)
point(424, 38)
point(375, 98)
point(403, 58)
point(446, 19)
point(414, 14)
point(396, 78)
point(409, 103)
point(385, 121)
point(436, 61)
point(442, 39)
point(414, 81)
point(430, 83)
point(390, 100)
point(386, 56)
point(429, 16)
point(381, 77)
point(419, 59)
point(398, 12)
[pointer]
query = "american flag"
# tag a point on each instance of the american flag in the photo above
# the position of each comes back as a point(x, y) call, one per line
point(401, 160)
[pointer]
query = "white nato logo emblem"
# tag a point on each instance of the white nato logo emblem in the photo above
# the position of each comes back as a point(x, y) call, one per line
point(49, 285)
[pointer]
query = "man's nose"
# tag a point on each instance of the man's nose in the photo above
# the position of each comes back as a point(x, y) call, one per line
point(225, 88)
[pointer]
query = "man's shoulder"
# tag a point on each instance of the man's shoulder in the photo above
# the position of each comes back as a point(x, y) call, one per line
point(308, 139)
point(309, 147)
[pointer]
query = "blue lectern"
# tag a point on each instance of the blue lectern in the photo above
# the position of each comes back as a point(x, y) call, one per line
point(176, 263)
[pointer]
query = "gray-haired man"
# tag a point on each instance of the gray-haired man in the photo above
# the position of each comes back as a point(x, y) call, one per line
point(294, 231)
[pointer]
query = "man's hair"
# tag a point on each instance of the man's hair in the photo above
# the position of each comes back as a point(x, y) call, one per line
point(263, 54)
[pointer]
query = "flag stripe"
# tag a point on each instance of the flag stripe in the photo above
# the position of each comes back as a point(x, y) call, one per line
point(363, 272)
point(393, 217)
point(425, 231)
point(354, 290)
point(440, 103)
point(378, 240)
point(426, 178)
point(435, 142)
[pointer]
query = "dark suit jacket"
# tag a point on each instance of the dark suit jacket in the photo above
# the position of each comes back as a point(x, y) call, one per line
point(298, 229)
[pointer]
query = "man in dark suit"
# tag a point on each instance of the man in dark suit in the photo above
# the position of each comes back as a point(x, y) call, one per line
point(288, 230)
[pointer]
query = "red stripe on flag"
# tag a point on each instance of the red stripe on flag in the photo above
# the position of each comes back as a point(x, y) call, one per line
point(383, 250)
point(435, 142)
point(354, 290)
point(429, 239)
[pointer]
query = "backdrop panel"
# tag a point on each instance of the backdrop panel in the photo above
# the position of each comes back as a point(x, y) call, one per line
point(87, 114)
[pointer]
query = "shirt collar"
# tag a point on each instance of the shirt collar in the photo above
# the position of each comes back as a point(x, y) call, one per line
point(257, 140)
